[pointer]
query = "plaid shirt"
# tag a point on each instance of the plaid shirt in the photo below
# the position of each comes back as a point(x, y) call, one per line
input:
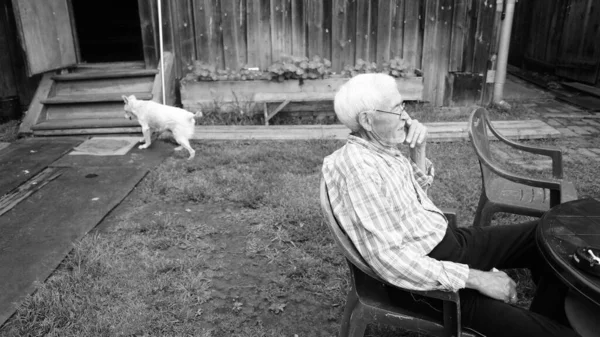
point(377, 196)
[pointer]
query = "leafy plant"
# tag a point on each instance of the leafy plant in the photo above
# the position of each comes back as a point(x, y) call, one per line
point(396, 67)
point(300, 68)
point(288, 68)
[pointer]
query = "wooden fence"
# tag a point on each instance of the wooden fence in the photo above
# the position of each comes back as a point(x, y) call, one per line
point(440, 37)
point(558, 36)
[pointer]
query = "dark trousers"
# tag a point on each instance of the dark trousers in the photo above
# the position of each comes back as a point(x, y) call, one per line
point(503, 247)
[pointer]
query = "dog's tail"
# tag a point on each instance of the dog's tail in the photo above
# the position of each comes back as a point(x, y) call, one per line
point(198, 114)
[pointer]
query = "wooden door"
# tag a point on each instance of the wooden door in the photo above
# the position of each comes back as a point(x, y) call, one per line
point(579, 55)
point(46, 34)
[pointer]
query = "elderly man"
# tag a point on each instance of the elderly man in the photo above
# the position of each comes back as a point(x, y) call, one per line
point(380, 199)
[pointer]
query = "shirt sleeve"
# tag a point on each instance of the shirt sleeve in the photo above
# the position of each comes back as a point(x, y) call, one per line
point(400, 264)
point(424, 179)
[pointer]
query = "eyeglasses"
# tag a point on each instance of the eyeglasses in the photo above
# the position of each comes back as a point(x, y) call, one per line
point(402, 112)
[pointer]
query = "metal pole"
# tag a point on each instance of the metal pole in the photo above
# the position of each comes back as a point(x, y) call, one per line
point(162, 59)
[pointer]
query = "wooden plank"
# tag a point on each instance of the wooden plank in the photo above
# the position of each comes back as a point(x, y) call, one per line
point(169, 81)
point(258, 33)
point(233, 22)
point(110, 97)
point(92, 131)
point(385, 16)
point(397, 34)
point(147, 10)
point(281, 29)
point(184, 48)
point(343, 33)
point(86, 110)
point(413, 36)
point(439, 131)
point(167, 25)
point(315, 28)
point(114, 85)
point(46, 35)
point(459, 35)
point(268, 97)
point(8, 79)
point(36, 107)
point(81, 123)
point(483, 36)
point(14, 197)
point(431, 50)
point(298, 28)
point(366, 31)
point(328, 28)
point(209, 38)
point(104, 74)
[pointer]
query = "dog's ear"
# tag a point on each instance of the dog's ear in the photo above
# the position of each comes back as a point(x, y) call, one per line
point(125, 99)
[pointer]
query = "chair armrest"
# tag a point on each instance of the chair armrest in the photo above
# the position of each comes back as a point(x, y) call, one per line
point(554, 153)
point(450, 214)
point(451, 296)
point(553, 184)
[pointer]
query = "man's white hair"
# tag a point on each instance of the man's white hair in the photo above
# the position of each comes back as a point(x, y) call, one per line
point(364, 92)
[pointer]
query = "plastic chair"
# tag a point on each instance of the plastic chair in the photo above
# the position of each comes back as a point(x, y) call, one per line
point(369, 301)
point(504, 191)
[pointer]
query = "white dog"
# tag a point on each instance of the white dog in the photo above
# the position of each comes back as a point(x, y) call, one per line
point(156, 117)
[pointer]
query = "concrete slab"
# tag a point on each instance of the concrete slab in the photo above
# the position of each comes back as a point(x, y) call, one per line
point(37, 234)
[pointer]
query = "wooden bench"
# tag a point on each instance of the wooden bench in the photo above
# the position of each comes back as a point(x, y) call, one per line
point(275, 102)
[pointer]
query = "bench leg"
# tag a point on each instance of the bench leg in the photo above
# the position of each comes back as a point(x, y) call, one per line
point(269, 115)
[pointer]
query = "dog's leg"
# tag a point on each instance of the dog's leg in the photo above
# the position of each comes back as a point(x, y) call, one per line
point(147, 137)
point(184, 143)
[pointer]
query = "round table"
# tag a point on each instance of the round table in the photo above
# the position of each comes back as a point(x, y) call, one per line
point(562, 230)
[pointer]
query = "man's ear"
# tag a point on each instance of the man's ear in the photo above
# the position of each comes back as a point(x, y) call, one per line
point(125, 99)
point(364, 119)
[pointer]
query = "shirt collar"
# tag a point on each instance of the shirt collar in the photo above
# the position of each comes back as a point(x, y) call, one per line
point(378, 148)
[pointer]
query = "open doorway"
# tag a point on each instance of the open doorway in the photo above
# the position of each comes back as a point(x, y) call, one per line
point(108, 30)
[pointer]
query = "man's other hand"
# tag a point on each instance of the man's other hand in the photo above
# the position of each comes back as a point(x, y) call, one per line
point(495, 284)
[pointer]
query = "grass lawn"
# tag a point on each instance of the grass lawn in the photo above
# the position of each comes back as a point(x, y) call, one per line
point(233, 244)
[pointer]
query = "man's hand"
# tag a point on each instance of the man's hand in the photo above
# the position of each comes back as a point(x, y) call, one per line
point(495, 284)
point(417, 133)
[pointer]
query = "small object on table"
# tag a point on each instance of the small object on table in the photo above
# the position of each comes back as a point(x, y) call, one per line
point(586, 259)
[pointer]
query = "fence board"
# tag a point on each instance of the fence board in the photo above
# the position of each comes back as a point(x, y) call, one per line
point(315, 31)
point(233, 23)
point(209, 38)
point(259, 33)
point(483, 35)
point(281, 26)
point(364, 31)
point(460, 34)
point(184, 46)
point(298, 28)
point(7, 79)
point(413, 36)
point(397, 34)
point(343, 33)
point(384, 28)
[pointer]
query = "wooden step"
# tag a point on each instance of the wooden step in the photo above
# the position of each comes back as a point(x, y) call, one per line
point(85, 110)
point(115, 85)
point(112, 97)
point(95, 75)
point(84, 123)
